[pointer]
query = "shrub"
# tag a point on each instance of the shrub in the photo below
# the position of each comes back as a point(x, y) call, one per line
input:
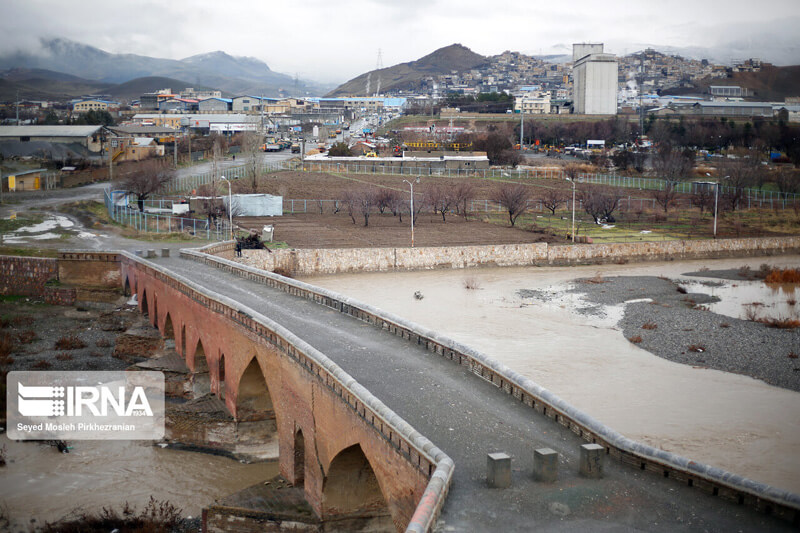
point(64, 356)
point(781, 323)
point(788, 275)
point(681, 289)
point(597, 278)
point(42, 364)
point(103, 343)
point(649, 325)
point(744, 271)
point(724, 325)
point(472, 284)
point(26, 337)
point(70, 342)
point(156, 517)
point(635, 340)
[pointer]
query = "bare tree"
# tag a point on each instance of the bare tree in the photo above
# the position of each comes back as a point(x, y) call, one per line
point(672, 166)
point(147, 179)
point(600, 202)
point(251, 142)
point(365, 201)
point(787, 181)
point(552, 199)
point(736, 175)
point(513, 197)
point(703, 197)
point(385, 199)
point(359, 201)
point(463, 193)
point(438, 197)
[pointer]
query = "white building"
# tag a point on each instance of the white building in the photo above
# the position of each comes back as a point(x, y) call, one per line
point(533, 103)
point(594, 77)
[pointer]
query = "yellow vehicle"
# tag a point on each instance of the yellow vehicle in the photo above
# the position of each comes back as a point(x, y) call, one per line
point(370, 154)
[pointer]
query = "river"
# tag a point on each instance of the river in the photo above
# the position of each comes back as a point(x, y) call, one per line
point(730, 421)
point(42, 484)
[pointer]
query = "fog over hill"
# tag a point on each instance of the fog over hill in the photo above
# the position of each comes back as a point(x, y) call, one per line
point(234, 75)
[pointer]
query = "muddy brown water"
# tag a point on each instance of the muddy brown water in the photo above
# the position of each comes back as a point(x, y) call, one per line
point(42, 484)
point(730, 421)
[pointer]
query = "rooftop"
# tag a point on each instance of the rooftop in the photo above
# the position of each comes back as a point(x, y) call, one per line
point(48, 131)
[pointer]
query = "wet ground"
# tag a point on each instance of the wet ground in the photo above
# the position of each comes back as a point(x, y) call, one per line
point(41, 484)
point(728, 420)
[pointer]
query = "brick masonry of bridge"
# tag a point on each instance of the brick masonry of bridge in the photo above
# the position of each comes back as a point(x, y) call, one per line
point(468, 418)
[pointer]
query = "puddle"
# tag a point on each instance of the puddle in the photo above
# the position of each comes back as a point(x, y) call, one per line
point(748, 299)
point(42, 231)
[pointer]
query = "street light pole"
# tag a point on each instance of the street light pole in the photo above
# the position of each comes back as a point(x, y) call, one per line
point(230, 205)
point(410, 184)
point(573, 209)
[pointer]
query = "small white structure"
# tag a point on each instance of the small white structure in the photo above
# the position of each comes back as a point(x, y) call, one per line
point(256, 205)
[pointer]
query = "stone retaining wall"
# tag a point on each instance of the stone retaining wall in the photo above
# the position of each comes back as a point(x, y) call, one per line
point(26, 276)
point(706, 478)
point(309, 262)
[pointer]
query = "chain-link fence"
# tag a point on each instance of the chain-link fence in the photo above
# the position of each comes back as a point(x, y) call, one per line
point(144, 221)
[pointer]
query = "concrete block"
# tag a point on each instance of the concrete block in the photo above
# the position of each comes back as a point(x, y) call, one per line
point(498, 470)
point(140, 253)
point(165, 252)
point(545, 465)
point(592, 456)
point(151, 253)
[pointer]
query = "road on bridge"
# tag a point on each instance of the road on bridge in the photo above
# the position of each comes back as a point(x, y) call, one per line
point(467, 418)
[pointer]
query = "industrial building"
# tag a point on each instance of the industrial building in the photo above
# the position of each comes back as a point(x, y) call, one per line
point(594, 75)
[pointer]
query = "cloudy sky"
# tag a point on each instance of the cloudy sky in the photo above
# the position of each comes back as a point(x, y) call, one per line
point(335, 40)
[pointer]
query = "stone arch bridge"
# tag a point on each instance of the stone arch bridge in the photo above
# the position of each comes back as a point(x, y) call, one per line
point(285, 356)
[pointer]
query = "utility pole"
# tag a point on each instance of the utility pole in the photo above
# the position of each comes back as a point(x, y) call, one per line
point(521, 125)
point(175, 149)
point(17, 106)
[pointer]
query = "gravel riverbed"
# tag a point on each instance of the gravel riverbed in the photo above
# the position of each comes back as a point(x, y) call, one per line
point(662, 319)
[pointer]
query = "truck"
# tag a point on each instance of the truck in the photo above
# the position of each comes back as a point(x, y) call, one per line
point(271, 147)
point(295, 148)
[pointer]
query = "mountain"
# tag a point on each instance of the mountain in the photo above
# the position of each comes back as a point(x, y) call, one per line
point(407, 76)
point(234, 75)
point(42, 84)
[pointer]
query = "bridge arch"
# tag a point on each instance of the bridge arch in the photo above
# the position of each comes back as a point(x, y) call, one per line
point(351, 487)
point(221, 376)
point(168, 332)
point(201, 381)
point(144, 304)
point(299, 462)
point(253, 399)
point(154, 315)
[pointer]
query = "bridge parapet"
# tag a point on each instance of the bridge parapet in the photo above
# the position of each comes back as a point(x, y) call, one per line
point(705, 478)
point(410, 445)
